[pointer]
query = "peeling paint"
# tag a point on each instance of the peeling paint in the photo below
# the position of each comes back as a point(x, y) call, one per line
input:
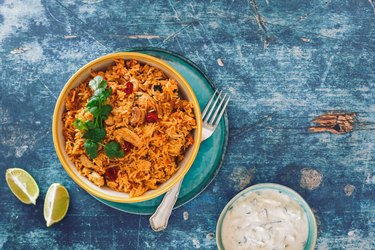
point(34, 52)
point(310, 179)
point(335, 123)
point(297, 52)
point(370, 179)
point(143, 37)
point(220, 62)
point(71, 36)
point(17, 18)
point(185, 215)
point(210, 236)
point(351, 233)
point(87, 9)
point(349, 189)
point(306, 40)
point(19, 50)
point(92, 1)
point(196, 244)
point(242, 177)
point(21, 150)
point(337, 26)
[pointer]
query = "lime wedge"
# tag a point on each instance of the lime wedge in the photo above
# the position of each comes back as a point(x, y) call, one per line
point(22, 185)
point(56, 203)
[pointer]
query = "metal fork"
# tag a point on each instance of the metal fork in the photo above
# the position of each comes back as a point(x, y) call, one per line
point(211, 116)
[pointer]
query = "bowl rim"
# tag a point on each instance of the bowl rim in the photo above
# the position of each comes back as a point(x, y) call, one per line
point(311, 220)
point(60, 102)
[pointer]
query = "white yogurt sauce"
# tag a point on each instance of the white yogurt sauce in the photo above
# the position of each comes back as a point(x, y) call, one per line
point(265, 219)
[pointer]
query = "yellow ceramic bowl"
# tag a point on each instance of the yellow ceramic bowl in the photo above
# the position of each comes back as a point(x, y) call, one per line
point(58, 138)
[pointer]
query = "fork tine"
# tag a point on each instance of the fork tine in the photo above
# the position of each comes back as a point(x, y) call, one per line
point(217, 109)
point(222, 112)
point(212, 108)
point(208, 104)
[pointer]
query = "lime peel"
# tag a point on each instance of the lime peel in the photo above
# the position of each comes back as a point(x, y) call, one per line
point(22, 185)
point(56, 204)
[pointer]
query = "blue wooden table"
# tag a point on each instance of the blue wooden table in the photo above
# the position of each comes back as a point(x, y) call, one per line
point(285, 64)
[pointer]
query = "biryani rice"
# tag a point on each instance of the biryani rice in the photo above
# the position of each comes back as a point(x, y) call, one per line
point(152, 149)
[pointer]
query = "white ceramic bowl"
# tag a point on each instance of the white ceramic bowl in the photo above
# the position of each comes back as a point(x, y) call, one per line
point(312, 227)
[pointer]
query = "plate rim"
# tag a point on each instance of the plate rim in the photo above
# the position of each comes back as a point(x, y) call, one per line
point(226, 137)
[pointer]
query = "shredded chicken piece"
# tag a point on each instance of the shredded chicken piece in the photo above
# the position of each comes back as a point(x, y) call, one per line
point(145, 101)
point(88, 164)
point(129, 136)
point(137, 116)
point(135, 84)
point(98, 161)
point(96, 179)
point(148, 130)
point(85, 171)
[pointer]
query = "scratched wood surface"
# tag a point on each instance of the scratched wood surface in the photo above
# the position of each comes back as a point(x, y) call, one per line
point(285, 64)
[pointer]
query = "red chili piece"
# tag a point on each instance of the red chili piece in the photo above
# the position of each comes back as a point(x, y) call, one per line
point(151, 117)
point(129, 88)
point(127, 147)
point(111, 173)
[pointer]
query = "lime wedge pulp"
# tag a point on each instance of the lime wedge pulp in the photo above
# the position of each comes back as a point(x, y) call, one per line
point(22, 185)
point(56, 203)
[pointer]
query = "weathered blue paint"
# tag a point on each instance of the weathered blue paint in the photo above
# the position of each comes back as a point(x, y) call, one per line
point(285, 63)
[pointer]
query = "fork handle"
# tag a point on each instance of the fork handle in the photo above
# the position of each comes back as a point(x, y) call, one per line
point(159, 220)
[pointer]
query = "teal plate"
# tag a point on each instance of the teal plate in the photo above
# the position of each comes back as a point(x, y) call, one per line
point(211, 152)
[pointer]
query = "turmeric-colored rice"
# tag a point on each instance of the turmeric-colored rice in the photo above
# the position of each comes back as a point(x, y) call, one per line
point(152, 149)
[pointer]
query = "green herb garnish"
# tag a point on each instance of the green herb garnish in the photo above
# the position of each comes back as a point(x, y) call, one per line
point(79, 124)
point(96, 134)
point(93, 131)
point(91, 148)
point(97, 83)
point(96, 105)
point(158, 88)
point(113, 149)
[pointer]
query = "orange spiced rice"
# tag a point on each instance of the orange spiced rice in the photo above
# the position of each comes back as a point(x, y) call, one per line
point(149, 120)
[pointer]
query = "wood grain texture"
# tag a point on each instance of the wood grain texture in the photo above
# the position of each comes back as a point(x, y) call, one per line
point(284, 62)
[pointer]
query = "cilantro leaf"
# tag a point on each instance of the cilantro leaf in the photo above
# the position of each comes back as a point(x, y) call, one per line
point(95, 111)
point(83, 126)
point(89, 124)
point(104, 94)
point(105, 111)
point(98, 92)
point(96, 134)
point(97, 83)
point(79, 124)
point(91, 148)
point(93, 130)
point(93, 102)
point(113, 149)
